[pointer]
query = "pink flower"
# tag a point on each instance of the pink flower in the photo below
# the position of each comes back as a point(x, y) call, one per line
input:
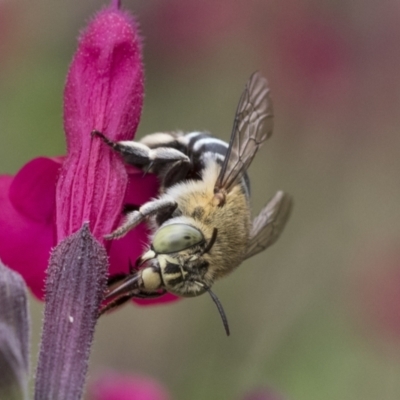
point(71, 203)
point(113, 386)
point(103, 92)
point(27, 220)
point(48, 199)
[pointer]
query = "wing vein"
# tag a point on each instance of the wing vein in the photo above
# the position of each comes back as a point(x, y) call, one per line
point(252, 127)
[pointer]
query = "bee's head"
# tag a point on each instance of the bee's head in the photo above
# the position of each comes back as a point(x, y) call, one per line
point(178, 251)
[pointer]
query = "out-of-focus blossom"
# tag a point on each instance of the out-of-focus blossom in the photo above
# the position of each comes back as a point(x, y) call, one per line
point(185, 30)
point(376, 54)
point(114, 386)
point(377, 294)
point(338, 65)
point(8, 23)
point(50, 198)
point(312, 56)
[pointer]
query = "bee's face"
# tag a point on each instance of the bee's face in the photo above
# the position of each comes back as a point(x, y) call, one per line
point(183, 274)
point(177, 252)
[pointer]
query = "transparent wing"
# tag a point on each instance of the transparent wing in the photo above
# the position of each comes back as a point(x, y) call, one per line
point(269, 224)
point(252, 127)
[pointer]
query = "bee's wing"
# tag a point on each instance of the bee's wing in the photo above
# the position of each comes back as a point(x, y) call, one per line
point(252, 127)
point(269, 224)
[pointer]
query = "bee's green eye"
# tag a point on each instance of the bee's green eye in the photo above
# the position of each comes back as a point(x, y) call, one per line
point(176, 237)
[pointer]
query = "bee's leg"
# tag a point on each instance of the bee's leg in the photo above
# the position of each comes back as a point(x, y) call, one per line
point(140, 155)
point(174, 173)
point(115, 303)
point(163, 204)
point(112, 279)
point(123, 299)
point(127, 208)
point(147, 295)
point(121, 276)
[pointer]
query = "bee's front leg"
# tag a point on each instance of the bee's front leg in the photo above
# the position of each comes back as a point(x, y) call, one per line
point(140, 155)
point(164, 204)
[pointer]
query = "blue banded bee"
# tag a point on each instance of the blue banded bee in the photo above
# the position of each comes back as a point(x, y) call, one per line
point(201, 221)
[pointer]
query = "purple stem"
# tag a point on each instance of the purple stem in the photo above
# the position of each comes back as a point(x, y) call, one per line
point(76, 280)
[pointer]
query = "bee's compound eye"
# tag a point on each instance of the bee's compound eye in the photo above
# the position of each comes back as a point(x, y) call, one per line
point(176, 237)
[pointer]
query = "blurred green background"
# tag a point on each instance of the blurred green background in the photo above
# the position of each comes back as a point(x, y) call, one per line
point(318, 315)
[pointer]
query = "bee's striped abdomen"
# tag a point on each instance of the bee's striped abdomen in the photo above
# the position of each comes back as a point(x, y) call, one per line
point(202, 147)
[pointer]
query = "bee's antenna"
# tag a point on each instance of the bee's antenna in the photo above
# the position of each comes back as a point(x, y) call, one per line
point(220, 308)
point(210, 244)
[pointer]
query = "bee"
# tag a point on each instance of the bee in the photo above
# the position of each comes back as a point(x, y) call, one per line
point(201, 220)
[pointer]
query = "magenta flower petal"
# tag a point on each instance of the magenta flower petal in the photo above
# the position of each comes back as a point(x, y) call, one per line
point(104, 92)
point(112, 386)
point(24, 243)
point(33, 189)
